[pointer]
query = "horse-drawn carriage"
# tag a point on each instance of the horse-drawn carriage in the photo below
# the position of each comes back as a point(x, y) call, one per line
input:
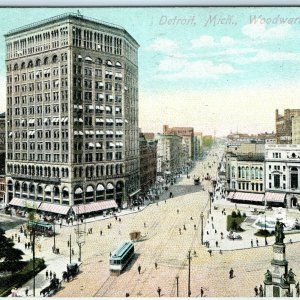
point(55, 285)
point(197, 181)
point(72, 271)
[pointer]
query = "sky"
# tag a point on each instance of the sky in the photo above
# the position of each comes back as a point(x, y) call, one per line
point(219, 70)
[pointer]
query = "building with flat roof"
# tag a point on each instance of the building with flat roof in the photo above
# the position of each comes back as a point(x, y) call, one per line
point(284, 125)
point(72, 137)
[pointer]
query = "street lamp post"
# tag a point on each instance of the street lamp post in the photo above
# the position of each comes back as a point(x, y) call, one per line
point(189, 277)
point(202, 216)
point(177, 286)
point(266, 243)
point(70, 249)
point(33, 259)
point(54, 245)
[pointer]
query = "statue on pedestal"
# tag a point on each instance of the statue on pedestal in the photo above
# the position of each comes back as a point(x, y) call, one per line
point(284, 279)
point(279, 235)
point(268, 276)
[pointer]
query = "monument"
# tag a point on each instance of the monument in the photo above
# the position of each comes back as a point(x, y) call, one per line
point(280, 281)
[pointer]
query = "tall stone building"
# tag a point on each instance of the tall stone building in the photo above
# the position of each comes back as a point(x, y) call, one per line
point(72, 115)
point(284, 125)
point(2, 158)
point(187, 133)
point(148, 163)
point(296, 130)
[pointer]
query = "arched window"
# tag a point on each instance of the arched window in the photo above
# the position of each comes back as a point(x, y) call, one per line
point(108, 63)
point(118, 65)
point(239, 172)
point(56, 191)
point(98, 61)
point(17, 186)
point(260, 173)
point(38, 62)
point(256, 173)
point(30, 64)
point(65, 192)
point(54, 59)
point(23, 65)
point(16, 67)
point(109, 191)
point(46, 61)
point(88, 60)
point(247, 172)
point(24, 187)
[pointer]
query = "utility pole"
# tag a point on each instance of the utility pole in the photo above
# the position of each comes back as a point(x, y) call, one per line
point(54, 245)
point(189, 278)
point(70, 249)
point(177, 286)
point(33, 258)
point(266, 243)
point(201, 216)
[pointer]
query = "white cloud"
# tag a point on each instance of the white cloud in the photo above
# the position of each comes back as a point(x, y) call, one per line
point(179, 69)
point(265, 56)
point(227, 40)
point(209, 41)
point(260, 31)
point(203, 41)
point(163, 45)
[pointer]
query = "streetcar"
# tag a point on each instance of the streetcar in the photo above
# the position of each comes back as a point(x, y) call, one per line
point(41, 228)
point(121, 257)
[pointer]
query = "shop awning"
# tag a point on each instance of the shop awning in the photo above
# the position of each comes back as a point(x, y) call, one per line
point(231, 195)
point(253, 197)
point(25, 203)
point(94, 206)
point(54, 208)
point(275, 197)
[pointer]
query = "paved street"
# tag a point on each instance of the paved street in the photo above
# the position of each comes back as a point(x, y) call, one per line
point(162, 243)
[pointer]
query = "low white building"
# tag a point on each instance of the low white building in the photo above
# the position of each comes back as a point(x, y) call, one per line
point(282, 180)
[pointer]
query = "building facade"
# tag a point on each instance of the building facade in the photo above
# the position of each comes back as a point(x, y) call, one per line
point(148, 163)
point(168, 160)
point(72, 113)
point(296, 130)
point(2, 144)
point(187, 133)
point(284, 125)
point(282, 174)
point(198, 144)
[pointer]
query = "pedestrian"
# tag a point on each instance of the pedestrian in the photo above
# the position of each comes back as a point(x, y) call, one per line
point(127, 295)
point(231, 273)
point(184, 227)
point(212, 218)
point(217, 244)
point(202, 292)
point(25, 246)
point(195, 227)
point(139, 269)
point(210, 252)
point(101, 232)
point(54, 275)
point(178, 211)
point(207, 232)
point(50, 275)
point(47, 274)
point(221, 251)
point(19, 239)
point(215, 230)
point(155, 265)
point(191, 218)
point(116, 218)
point(261, 291)
point(251, 243)
point(256, 291)
point(119, 219)
point(109, 254)
point(28, 245)
point(180, 231)
point(222, 235)
point(144, 224)
point(73, 251)
point(26, 291)
point(158, 291)
point(257, 242)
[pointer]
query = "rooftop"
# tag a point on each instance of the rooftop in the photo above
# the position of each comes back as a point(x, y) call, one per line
point(76, 16)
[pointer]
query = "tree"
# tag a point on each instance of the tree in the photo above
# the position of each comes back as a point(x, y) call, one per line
point(8, 254)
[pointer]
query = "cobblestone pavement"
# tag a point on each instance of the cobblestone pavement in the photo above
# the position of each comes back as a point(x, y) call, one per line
point(162, 243)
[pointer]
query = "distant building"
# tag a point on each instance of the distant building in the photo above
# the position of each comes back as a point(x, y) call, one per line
point(198, 143)
point(148, 162)
point(168, 158)
point(296, 130)
point(284, 125)
point(187, 133)
point(282, 175)
point(2, 144)
point(239, 138)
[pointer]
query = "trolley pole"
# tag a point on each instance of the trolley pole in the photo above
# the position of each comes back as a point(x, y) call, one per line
point(177, 286)
point(70, 249)
point(33, 260)
point(189, 278)
point(201, 216)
